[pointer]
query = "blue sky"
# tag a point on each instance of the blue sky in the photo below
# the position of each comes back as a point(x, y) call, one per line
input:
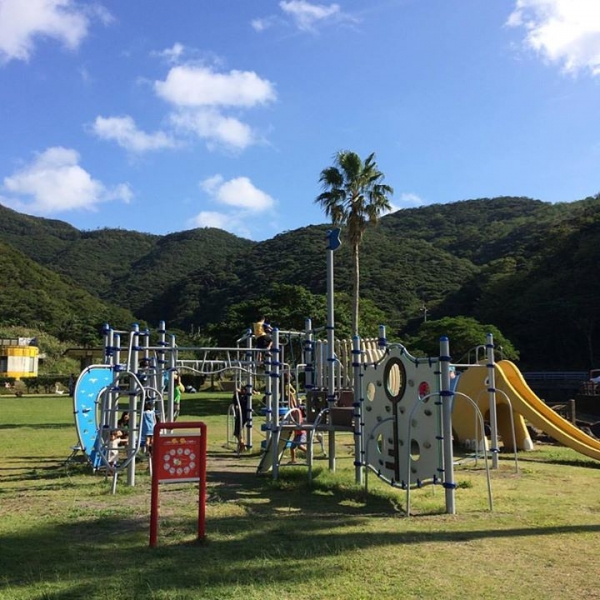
point(162, 115)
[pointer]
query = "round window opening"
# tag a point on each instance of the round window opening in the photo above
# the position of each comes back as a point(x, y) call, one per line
point(394, 377)
point(371, 392)
point(415, 450)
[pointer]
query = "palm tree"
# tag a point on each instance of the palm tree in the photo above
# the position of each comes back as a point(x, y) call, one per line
point(354, 197)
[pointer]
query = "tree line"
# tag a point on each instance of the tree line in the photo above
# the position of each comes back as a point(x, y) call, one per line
point(523, 268)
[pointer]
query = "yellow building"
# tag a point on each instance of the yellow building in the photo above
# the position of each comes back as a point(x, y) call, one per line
point(18, 358)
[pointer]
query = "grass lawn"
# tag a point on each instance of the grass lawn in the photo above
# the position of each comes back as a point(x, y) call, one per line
point(63, 535)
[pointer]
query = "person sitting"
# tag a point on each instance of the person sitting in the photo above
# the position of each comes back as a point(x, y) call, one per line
point(123, 426)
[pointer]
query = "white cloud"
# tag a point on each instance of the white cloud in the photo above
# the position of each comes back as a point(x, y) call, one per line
point(239, 192)
point(306, 14)
point(22, 23)
point(207, 218)
point(214, 127)
point(171, 55)
point(409, 199)
point(263, 24)
point(211, 184)
point(54, 182)
point(223, 221)
point(562, 31)
point(191, 86)
point(124, 131)
point(200, 96)
point(243, 199)
point(406, 200)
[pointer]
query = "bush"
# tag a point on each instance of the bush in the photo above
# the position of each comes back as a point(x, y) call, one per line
point(7, 385)
point(47, 384)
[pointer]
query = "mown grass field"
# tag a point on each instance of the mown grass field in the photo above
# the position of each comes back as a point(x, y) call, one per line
point(63, 535)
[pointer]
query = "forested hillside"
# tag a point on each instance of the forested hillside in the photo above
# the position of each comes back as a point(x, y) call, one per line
point(525, 266)
point(33, 296)
point(149, 288)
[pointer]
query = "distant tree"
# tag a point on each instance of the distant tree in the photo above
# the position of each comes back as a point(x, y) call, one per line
point(370, 320)
point(464, 334)
point(354, 197)
point(287, 306)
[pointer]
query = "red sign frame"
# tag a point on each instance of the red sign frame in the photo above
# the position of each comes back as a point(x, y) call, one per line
point(178, 457)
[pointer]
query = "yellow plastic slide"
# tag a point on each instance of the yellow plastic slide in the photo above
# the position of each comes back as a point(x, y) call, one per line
point(525, 404)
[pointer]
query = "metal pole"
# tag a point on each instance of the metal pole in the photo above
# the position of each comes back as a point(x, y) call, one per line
point(249, 390)
point(274, 378)
point(309, 357)
point(172, 367)
point(382, 339)
point(446, 399)
point(132, 367)
point(107, 344)
point(358, 406)
point(160, 365)
point(333, 237)
point(492, 398)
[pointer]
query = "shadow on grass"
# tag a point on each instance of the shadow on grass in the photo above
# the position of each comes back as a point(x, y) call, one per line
point(24, 469)
point(529, 457)
point(567, 462)
point(77, 558)
point(282, 531)
point(36, 425)
point(206, 407)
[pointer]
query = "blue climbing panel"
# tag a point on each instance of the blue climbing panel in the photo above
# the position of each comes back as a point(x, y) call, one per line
point(90, 384)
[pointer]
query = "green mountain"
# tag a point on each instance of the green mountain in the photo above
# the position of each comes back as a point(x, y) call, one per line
point(525, 266)
point(34, 296)
point(149, 286)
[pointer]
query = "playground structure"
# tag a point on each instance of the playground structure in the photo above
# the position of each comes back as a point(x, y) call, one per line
point(407, 412)
point(404, 412)
point(144, 372)
point(398, 407)
point(122, 385)
point(515, 404)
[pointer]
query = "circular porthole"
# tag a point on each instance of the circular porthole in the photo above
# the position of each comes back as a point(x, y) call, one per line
point(415, 450)
point(394, 377)
point(371, 392)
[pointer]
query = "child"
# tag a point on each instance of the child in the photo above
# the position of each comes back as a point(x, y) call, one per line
point(262, 334)
point(148, 422)
point(113, 447)
point(178, 388)
point(289, 392)
point(299, 439)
